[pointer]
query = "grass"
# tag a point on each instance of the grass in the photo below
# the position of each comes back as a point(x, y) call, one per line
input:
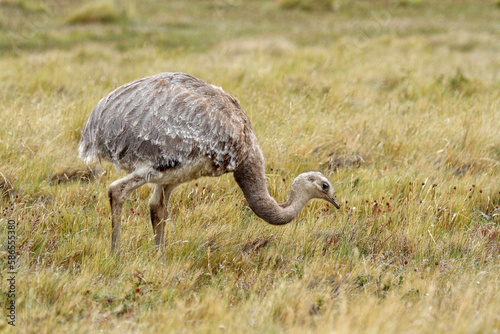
point(307, 4)
point(397, 104)
point(92, 12)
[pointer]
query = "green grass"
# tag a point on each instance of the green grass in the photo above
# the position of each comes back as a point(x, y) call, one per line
point(104, 11)
point(396, 101)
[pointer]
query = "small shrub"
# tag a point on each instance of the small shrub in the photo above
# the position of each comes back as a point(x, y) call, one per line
point(410, 3)
point(306, 4)
point(104, 11)
point(459, 84)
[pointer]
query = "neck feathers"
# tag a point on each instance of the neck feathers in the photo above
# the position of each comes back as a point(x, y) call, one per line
point(250, 176)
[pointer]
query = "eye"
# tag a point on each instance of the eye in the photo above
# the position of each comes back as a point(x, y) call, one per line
point(311, 179)
point(325, 186)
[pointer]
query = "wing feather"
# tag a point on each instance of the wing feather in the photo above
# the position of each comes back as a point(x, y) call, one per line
point(167, 120)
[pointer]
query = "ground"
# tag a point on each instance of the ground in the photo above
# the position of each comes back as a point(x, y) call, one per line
point(397, 102)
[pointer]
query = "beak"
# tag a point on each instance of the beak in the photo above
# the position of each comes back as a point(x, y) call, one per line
point(333, 200)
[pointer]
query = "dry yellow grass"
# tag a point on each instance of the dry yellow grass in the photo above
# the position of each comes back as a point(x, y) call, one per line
point(399, 105)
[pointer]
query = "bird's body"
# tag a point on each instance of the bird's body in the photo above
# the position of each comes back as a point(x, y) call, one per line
point(171, 128)
point(169, 121)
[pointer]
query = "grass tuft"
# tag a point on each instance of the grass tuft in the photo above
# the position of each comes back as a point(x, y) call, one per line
point(101, 11)
point(410, 3)
point(307, 5)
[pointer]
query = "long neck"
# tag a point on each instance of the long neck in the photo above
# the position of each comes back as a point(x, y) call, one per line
point(250, 176)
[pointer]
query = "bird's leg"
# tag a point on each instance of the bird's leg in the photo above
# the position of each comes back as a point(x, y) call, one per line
point(118, 193)
point(159, 212)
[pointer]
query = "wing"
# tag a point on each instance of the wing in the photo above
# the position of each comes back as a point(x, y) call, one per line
point(168, 120)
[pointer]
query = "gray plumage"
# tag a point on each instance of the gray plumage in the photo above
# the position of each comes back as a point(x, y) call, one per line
point(172, 128)
point(167, 120)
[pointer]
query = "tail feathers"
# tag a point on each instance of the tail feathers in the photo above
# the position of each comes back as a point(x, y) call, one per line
point(87, 154)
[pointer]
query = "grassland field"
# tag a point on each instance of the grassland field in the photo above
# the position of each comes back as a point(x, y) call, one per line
point(397, 102)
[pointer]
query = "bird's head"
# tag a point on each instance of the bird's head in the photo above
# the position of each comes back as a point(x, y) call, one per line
point(317, 186)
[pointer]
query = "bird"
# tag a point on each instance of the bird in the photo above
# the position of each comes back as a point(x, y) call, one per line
point(171, 128)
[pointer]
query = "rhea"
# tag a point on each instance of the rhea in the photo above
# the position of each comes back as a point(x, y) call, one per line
point(172, 128)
